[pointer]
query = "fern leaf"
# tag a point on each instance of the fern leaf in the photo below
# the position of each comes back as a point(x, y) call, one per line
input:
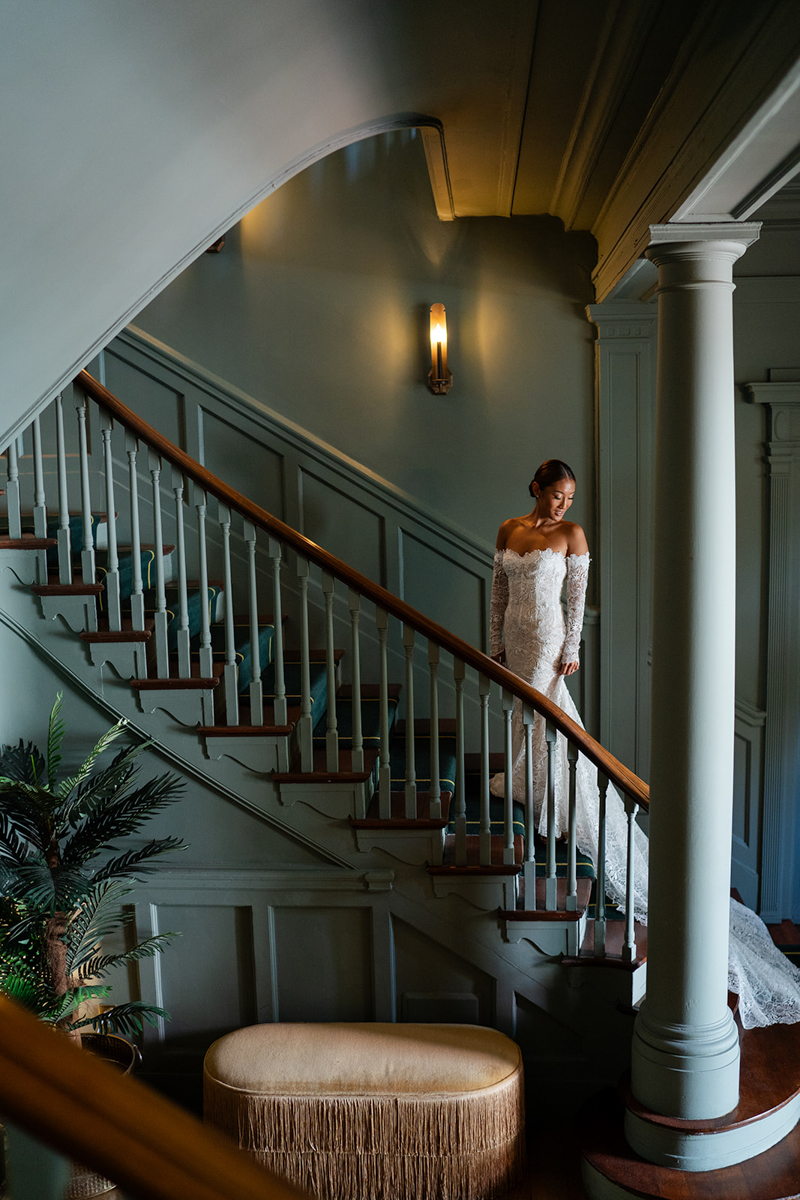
point(125, 1019)
point(87, 766)
point(55, 737)
point(135, 863)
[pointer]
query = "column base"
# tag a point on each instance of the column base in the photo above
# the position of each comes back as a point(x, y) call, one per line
point(686, 1071)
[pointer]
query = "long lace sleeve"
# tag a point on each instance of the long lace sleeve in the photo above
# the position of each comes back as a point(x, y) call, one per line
point(577, 578)
point(498, 605)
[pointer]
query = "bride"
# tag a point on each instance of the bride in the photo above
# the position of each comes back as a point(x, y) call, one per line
point(535, 555)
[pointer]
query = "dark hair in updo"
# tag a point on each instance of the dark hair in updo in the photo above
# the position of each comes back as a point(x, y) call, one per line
point(550, 472)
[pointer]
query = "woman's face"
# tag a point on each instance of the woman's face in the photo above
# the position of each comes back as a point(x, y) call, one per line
point(554, 501)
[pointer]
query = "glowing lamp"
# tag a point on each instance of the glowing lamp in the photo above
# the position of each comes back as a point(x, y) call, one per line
point(439, 378)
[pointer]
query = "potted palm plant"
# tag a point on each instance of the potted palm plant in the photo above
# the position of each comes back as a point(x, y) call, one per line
point(63, 879)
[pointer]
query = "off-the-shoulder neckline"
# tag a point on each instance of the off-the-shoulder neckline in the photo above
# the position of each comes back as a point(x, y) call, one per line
point(545, 550)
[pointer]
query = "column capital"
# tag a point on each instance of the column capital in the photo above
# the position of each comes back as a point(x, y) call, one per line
point(744, 232)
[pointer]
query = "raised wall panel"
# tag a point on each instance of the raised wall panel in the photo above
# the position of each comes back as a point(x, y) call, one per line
point(208, 973)
point(443, 589)
point(340, 524)
point(746, 802)
point(153, 399)
point(243, 462)
point(425, 968)
point(322, 964)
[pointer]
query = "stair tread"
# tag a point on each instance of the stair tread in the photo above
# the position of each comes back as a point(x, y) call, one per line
point(615, 937)
point(540, 913)
point(771, 1175)
point(398, 819)
point(28, 541)
point(473, 865)
point(175, 683)
point(67, 589)
point(320, 773)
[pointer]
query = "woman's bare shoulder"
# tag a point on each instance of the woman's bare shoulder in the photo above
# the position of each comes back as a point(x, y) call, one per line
point(576, 538)
point(506, 529)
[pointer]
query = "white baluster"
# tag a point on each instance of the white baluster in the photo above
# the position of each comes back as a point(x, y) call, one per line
point(600, 905)
point(39, 508)
point(411, 745)
point(64, 538)
point(184, 635)
point(384, 770)
point(12, 490)
point(629, 949)
point(459, 671)
point(137, 593)
point(281, 710)
point(161, 615)
point(485, 847)
point(357, 754)
point(508, 790)
point(230, 677)
point(112, 569)
point(256, 691)
point(572, 847)
point(206, 652)
point(87, 549)
point(305, 728)
point(529, 869)
point(332, 731)
point(551, 882)
point(435, 811)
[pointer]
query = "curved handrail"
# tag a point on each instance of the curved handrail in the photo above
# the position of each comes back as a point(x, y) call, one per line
point(90, 1112)
point(619, 775)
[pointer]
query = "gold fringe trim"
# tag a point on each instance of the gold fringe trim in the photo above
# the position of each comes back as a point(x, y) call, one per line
point(465, 1147)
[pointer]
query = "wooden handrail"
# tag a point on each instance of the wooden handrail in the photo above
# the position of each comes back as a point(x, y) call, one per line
point(619, 775)
point(88, 1111)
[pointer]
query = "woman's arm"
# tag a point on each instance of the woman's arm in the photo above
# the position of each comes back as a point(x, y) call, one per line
point(499, 601)
point(577, 579)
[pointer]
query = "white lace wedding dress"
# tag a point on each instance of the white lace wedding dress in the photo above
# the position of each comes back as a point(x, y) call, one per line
point(527, 617)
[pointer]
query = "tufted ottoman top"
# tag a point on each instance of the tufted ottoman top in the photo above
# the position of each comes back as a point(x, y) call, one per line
point(361, 1059)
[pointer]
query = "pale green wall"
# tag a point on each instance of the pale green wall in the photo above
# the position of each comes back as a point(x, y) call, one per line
point(766, 323)
point(317, 306)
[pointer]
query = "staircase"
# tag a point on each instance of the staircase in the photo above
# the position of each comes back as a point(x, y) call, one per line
point(292, 711)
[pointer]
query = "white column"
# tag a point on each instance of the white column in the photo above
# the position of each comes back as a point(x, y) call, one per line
point(686, 1049)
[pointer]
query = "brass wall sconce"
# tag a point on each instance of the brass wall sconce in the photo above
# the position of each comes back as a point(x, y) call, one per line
point(439, 378)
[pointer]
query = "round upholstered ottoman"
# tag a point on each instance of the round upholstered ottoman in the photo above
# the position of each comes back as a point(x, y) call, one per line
point(374, 1111)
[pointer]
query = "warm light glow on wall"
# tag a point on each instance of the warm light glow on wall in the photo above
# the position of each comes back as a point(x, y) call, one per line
point(439, 378)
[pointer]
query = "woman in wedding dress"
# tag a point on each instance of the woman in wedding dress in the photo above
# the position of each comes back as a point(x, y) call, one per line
point(535, 555)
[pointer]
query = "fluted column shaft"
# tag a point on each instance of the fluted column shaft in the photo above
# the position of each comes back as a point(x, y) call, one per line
point(686, 1050)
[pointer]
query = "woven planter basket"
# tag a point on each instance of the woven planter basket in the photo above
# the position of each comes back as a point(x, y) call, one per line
point(83, 1181)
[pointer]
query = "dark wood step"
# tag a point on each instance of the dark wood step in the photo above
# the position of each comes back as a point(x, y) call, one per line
point(67, 589)
point(321, 774)
point(245, 728)
point(773, 1175)
point(27, 542)
point(540, 913)
point(196, 682)
point(369, 691)
point(473, 865)
point(472, 762)
point(422, 726)
point(615, 937)
point(126, 634)
point(399, 820)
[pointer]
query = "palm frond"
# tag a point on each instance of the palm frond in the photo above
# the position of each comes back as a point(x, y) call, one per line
point(98, 788)
point(28, 807)
point(119, 816)
point(87, 766)
point(23, 762)
point(34, 885)
point(101, 963)
point(14, 844)
point(55, 736)
point(98, 916)
point(135, 863)
point(125, 1019)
